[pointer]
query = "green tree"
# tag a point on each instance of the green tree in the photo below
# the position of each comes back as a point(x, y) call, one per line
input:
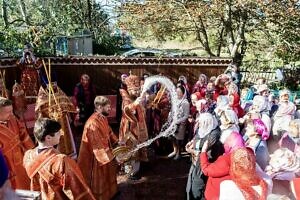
point(222, 27)
point(40, 21)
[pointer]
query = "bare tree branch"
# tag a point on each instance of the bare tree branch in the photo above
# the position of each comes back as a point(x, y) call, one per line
point(23, 12)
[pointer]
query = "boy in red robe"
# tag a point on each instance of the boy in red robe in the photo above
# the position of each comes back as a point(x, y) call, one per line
point(55, 175)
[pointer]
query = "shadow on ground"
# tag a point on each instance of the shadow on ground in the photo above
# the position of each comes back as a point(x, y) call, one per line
point(162, 178)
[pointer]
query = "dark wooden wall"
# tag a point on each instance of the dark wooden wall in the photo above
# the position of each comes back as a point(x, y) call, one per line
point(106, 77)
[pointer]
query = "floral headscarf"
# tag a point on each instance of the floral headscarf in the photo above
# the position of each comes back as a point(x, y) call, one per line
point(283, 160)
point(243, 174)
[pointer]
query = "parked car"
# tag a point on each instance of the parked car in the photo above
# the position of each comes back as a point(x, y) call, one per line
point(139, 52)
point(2, 52)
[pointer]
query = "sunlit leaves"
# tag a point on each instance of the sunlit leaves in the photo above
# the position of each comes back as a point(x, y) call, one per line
point(258, 29)
point(49, 19)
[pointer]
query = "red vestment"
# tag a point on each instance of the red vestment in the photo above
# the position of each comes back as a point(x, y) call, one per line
point(96, 160)
point(14, 141)
point(55, 175)
point(66, 143)
point(133, 121)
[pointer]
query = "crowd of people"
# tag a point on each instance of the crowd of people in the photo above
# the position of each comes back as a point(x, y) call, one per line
point(226, 130)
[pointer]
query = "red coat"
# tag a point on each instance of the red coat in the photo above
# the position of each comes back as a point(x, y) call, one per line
point(296, 184)
point(216, 172)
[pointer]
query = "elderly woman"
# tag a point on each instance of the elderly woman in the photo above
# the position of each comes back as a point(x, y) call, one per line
point(255, 138)
point(291, 138)
point(259, 110)
point(217, 170)
point(284, 114)
point(230, 136)
point(207, 127)
point(285, 165)
point(246, 183)
point(222, 104)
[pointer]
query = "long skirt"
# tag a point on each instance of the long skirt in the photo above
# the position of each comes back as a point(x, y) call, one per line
point(195, 186)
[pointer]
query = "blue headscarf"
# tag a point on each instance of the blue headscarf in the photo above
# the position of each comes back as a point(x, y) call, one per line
point(3, 170)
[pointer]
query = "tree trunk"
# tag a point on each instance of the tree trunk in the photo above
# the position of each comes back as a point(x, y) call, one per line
point(4, 13)
point(239, 47)
point(89, 13)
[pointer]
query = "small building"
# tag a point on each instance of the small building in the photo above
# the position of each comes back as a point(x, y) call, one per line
point(74, 45)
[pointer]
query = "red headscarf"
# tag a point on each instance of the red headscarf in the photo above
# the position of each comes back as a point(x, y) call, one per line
point(198, 95)
point(243, 173)
point(235, 105)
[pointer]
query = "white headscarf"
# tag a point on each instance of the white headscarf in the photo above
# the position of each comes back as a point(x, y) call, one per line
point(222, 104)
point(206, 122)
point(259, 103)
point(201, 106)
point(229, 119)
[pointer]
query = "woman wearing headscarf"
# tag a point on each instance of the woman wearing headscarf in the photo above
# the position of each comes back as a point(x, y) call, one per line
point(207, 127)
point(200, 85)
point(184, 107)
point(234, 100)
point(284, 114)
point(255, 137)
point(259, 110)
point(230, 136)
point(285, 165)
point(195, 97)
point(222, 104)
point(291, 138)
point(245, 183)
point(217, 169)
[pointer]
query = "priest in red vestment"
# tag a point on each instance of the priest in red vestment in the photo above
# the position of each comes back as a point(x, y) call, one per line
point(133, 127)
point(14, 141)
point(96, 159)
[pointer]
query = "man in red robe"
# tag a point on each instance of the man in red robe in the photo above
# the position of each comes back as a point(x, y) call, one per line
point(133, 127)
point(96, 159)
point(14, 141)
point(55, 175)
